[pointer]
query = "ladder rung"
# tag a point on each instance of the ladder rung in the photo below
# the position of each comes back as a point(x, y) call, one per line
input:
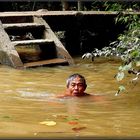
point(22, 25)
point(31, 42)
point(45, 62)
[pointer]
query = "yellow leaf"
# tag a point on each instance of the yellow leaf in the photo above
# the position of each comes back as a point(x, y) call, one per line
point(49, 123)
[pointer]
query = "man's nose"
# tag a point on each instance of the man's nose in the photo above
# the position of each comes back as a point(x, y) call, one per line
point(76, 87)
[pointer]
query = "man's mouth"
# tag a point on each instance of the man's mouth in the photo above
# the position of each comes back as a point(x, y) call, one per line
point(76, 92)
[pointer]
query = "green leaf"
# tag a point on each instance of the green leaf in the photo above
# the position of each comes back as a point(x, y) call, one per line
point(120, 68)
point(120, 76)
point(7, 117)
point(127, 67)
point(71, 118)
point(121, 88)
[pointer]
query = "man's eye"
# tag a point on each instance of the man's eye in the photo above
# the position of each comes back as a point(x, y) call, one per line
point(73, 85)
point(80, 85)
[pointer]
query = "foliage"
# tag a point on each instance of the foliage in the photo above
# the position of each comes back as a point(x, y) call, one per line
point(52, 5)
point(115, 6)
point(127, 47)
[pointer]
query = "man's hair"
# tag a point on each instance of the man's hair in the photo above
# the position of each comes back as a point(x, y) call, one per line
point(73, 76)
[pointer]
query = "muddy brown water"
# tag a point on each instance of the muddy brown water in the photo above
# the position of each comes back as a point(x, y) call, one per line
point(27, 97)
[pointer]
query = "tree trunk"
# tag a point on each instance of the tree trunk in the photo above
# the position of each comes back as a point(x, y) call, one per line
point(64, 5)
point(79, 5)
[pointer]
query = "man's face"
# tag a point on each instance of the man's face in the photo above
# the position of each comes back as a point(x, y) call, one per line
point(76, 87)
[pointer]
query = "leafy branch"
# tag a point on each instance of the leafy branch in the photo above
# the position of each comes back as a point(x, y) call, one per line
point(127, 47)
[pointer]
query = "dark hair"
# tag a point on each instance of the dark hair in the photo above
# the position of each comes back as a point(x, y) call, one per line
point(73, 76)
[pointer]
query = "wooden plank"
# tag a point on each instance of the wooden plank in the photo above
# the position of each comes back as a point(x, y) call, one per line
point(61, 13)
point(8, 53)
point(32, 42)
point(22, 25)
point(45, 62)
point(61, 50)
point(35, 13)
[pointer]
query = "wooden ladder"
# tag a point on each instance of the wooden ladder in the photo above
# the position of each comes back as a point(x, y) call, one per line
point(37, 37)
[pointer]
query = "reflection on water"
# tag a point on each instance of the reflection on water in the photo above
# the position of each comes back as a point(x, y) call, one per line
point(27, 97)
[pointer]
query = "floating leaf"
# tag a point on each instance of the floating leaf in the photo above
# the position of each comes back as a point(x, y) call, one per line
point(78, 128)
point(7, 117)
point(60, 116)
point(49, 123)
point(71, 118)
point(73, 122)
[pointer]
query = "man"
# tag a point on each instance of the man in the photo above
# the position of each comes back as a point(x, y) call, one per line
point(76, 86)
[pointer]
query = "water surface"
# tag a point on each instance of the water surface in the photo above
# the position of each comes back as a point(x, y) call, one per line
point(27, 97)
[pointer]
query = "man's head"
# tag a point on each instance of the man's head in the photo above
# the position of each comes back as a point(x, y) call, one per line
point(76, 85)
